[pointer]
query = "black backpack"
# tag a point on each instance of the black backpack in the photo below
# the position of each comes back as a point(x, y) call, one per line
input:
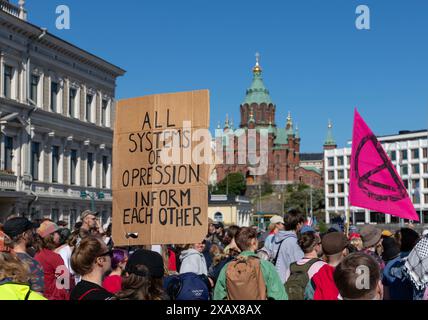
point(298, 280)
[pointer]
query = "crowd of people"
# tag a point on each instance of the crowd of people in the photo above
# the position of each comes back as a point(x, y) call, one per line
point(44, 260)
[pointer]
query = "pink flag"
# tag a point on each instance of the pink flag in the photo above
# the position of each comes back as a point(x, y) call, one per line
point(374, 182)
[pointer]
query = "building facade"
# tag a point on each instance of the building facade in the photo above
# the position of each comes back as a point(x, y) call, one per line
point(409, 154)
point(230, 210)
point(57, 106)
point(258, 112)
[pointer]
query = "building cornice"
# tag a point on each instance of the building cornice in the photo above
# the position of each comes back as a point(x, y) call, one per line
point(32, 31)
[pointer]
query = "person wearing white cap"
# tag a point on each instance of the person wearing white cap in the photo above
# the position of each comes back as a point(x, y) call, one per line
point(276, 224)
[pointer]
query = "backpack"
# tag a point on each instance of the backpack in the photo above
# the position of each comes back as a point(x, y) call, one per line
point(187, 286)
point(244, 279)
point(274, 259)
point(298, 280)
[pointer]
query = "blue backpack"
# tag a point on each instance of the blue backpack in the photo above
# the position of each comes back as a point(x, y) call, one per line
point(187, 286)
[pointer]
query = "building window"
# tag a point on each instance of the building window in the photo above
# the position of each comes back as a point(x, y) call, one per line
point(72, 102)
point(425, 183)
point(73, 217)
point(341, 174)
point(331, 188)
point(415, 169)
point(348, 159)
point(35, 159)
point(330, 161)
point(416, 198)
point(55, 163)
point(425, 198)
point(89, 168)
point(7, 84)
point(404, 170)
point(330, 175)
point(54, 96)
point(33, 88)
point(8, 153)
point(425, 152)
point(340, 161)
point(406, 184)
point(104, 113)
point(73, 166)
point(393, 155)
point(104, 216)
point(425, 167)
point(341, 202)
point(415, 153)
point(331, 202)
point(55, 215)
point(341, 188)
point(88, 113)
point(404, 154)
point(105, 170)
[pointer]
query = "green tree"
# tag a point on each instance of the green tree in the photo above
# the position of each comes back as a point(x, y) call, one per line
point(298, 197)
point(234, 182)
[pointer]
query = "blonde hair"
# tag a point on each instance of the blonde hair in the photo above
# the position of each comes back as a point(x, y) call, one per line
point(217, 254)
point(11, 267)
point(271, 227)
point(357, 243)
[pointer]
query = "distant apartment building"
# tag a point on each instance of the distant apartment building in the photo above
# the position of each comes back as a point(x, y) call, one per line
point(57, 107)
point(408, 151)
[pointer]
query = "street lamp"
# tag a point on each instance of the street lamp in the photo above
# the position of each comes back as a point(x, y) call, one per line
point(92, 196)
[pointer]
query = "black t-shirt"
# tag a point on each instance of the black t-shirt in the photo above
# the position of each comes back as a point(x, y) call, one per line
point(86, 290)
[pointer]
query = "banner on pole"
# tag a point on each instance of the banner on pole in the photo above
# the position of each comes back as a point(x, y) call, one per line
point(374, 182)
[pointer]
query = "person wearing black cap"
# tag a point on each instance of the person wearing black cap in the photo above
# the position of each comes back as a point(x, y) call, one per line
point(21, 232)
point(143, 277)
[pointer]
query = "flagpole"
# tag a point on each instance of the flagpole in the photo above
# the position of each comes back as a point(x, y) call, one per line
point(347, 223)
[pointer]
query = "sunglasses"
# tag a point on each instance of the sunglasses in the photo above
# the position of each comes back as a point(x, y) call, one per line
point(108, 253)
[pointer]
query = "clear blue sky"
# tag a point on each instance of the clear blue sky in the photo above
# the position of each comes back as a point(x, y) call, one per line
point(316, 63)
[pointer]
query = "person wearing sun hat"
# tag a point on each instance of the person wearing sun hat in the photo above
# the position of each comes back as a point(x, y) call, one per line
point(372, 243)
point(51, 261)
point(276, 224)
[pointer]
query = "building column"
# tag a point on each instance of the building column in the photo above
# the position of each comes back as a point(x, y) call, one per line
point(327, 216)
point(1, 73)
point(387, 218)
point(367, 216)
point(65, 94)
point(46, 91)
point(46, 158)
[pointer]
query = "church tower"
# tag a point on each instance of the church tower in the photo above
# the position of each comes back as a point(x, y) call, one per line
point(257, 107)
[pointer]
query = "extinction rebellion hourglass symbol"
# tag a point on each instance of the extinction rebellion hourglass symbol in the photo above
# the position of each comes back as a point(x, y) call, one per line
point(397, 191)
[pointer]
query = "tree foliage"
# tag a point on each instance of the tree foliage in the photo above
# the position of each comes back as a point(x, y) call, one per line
point(298, 197)
point(234, 182)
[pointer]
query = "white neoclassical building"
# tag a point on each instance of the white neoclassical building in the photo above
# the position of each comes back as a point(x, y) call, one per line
point(408, 151)
point(57, 105)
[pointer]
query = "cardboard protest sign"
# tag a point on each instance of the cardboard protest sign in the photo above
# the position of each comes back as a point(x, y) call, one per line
point(160, 192)
point(374, 182)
